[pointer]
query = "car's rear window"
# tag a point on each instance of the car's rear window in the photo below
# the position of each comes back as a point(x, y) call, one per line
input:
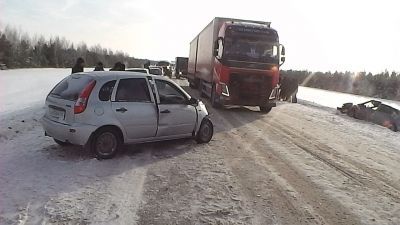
point(106, 91)
point(71, 87)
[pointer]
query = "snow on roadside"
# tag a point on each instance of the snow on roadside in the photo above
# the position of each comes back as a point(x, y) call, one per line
point(21, 88)
point(334, 99)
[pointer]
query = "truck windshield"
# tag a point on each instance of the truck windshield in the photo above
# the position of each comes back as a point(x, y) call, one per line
point(251, 49)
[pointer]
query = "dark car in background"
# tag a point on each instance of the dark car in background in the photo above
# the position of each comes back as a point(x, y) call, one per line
point(156, 71)
point(374, 111)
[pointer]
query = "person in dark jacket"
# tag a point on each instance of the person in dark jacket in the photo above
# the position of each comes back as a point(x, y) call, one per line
point(118, 66)
point(78, 67)
point(99, 67)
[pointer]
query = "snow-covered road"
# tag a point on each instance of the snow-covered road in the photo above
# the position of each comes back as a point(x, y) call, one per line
point(299, 164)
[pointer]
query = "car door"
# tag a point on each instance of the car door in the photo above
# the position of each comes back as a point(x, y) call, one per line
point(135, 108)
point(176, 116)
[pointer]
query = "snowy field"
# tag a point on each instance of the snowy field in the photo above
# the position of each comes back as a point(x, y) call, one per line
point(23, 88)
point(299, 164)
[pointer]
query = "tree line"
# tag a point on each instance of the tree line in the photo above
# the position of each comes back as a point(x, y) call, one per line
point(20, 50)
point(382, 85)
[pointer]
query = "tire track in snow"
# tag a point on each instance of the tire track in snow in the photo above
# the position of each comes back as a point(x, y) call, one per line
point(295, 195)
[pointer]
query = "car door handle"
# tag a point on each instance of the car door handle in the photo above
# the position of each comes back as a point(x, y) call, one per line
point(121, 110)
point(165, 111)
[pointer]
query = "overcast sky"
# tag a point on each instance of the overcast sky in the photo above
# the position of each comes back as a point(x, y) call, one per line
point(318, 35)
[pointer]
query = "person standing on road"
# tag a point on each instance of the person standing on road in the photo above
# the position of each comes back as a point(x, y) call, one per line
point(116, 66)
point(99, 67)
point(79, 65)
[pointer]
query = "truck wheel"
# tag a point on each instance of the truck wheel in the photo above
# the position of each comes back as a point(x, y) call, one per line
point(105, 143)
point(214, 96)
point(265, 109)
point(205, 132)
point(294, 98)
point(191, 85)
point(201, 93)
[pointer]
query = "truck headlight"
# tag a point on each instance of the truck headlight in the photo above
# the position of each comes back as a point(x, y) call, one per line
point(225, 90)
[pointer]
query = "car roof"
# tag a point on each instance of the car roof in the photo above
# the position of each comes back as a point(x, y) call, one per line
point(135, 69)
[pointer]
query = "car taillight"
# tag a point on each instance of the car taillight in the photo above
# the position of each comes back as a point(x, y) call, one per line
point(83, 98)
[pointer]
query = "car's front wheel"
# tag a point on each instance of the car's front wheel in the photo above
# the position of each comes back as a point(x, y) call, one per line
point(105, 143)
point(205, 132)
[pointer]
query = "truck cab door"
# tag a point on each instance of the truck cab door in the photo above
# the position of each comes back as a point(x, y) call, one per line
point(176, 117)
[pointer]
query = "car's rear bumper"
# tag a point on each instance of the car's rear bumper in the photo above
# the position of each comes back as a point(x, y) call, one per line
point(76, 134)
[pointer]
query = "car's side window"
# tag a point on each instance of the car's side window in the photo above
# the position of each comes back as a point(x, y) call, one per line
point(133, 90)
point(106, 91)
point(169, 94)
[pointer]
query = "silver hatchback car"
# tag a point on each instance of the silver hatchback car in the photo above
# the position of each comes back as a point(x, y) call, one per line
point(103, 110)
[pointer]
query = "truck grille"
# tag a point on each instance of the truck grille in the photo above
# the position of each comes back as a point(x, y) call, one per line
point(249, 86)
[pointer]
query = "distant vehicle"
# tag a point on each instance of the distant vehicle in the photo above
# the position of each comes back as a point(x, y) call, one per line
point(159, 68)
point(236, 62)
point(165, 65)
point(103, 110)
point(181, 66)
point(374, 111)
point(139, 70)
point(3, 66)
point(155, 71)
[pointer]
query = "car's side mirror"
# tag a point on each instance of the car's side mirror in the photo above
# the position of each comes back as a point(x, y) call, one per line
point(193, 101)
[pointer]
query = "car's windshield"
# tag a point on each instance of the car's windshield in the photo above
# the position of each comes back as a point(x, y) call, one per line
point(251, 49)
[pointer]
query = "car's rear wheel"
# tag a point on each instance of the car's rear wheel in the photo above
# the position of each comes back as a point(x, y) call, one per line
point(105, 143)
point(205, 132)
point(62, 143)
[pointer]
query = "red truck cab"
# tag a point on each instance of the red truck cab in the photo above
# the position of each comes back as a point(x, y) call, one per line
point(242, 67)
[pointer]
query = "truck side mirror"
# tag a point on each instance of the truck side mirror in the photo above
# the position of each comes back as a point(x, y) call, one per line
point(282, 55)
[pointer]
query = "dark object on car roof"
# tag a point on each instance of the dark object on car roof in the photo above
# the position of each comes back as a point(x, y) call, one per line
point(375, 112)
